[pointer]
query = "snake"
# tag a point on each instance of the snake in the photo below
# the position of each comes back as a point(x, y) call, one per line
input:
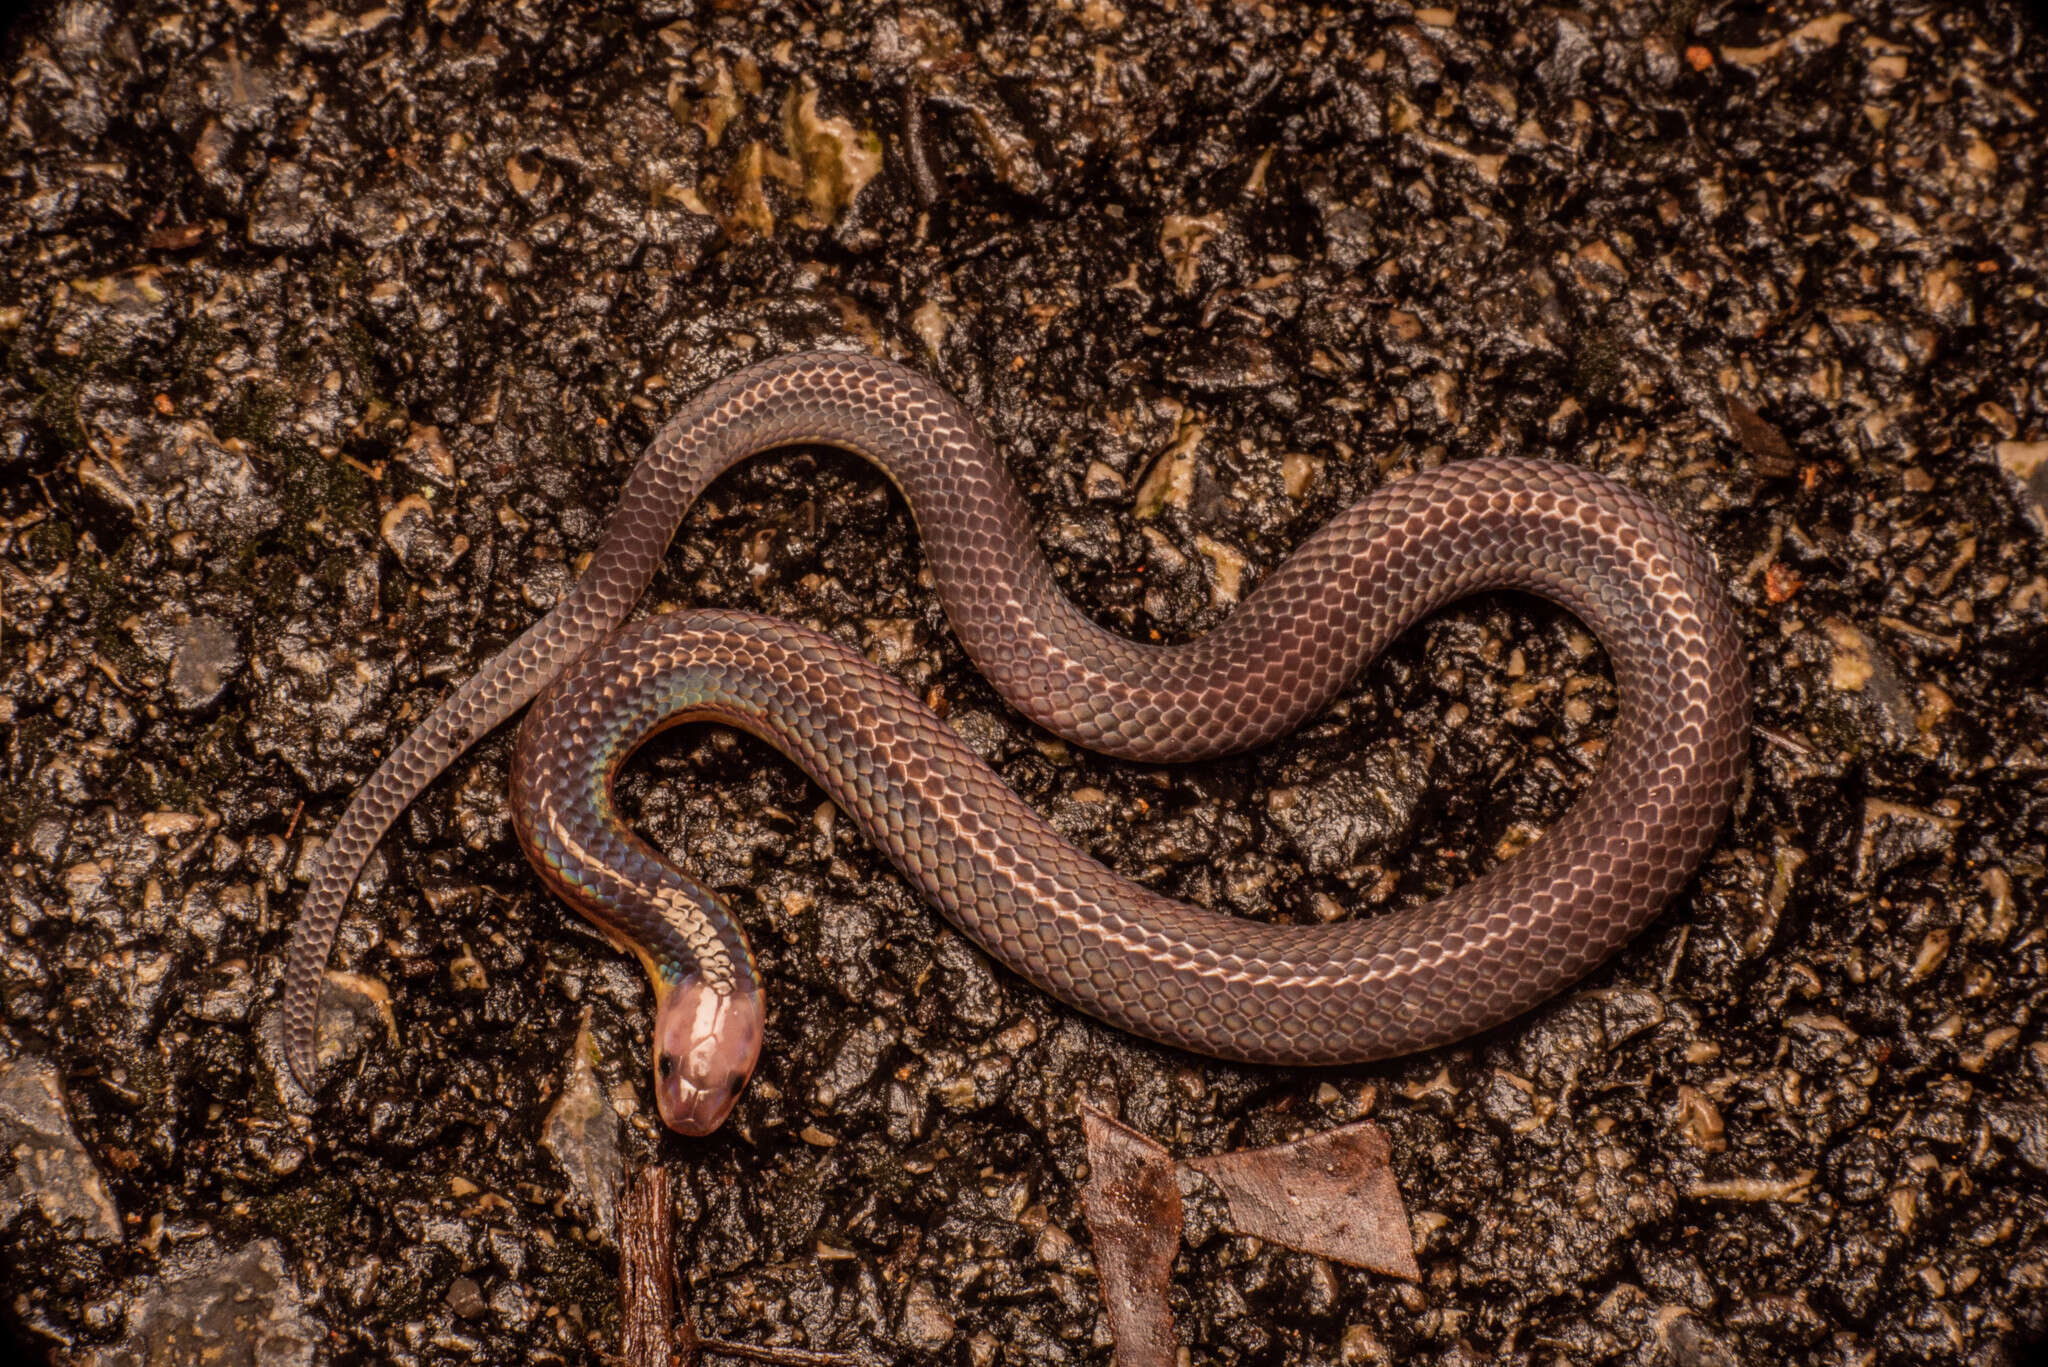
point(1345, 991)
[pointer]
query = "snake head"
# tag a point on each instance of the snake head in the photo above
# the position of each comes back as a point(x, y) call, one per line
point(705, 1044)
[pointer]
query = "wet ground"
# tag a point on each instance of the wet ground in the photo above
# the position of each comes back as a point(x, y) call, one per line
point(330, 333)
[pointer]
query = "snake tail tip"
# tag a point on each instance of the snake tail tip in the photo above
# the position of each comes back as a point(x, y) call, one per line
point(303, 1066)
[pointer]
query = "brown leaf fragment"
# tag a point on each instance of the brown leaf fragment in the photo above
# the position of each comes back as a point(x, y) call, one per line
point(1771, 453)
point(1132, 1204)
point(1331, 1194)
point(175, 237)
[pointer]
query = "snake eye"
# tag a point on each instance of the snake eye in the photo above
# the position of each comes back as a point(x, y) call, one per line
point(667, 1065)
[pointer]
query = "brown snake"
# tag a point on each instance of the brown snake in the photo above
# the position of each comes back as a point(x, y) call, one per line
point(1180, 974)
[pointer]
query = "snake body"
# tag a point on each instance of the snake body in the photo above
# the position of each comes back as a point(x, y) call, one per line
point(1179, 974)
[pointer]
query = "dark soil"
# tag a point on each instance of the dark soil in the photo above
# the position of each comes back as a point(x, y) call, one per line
point(329, 335)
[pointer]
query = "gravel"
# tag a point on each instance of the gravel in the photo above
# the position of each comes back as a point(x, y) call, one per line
point(330, 332)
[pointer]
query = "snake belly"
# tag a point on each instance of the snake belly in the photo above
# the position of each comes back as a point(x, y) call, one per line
point(1179, 974)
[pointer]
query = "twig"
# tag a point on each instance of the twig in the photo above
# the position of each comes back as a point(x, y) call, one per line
point(654, 1335)
point(786, 1357)
point(647, 1272)
point(1783, 739)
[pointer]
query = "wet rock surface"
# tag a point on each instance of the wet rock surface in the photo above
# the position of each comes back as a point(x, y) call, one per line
point(50, 1171)
point(330, 331)
point(236, 1309)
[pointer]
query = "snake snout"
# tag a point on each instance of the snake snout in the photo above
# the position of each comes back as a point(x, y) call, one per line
point(705, 1045)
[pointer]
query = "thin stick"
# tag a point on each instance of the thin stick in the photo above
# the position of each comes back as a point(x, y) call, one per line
point(784, 1357)
point(653, 1334)
point(647, 1292)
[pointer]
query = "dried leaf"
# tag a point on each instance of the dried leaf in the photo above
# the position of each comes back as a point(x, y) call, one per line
point(1132, 1204)
point(1332, 1194)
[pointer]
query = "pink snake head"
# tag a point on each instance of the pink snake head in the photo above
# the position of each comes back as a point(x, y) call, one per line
point(705, 1045)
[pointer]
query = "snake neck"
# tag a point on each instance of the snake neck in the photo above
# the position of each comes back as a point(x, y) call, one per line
point(679, 929)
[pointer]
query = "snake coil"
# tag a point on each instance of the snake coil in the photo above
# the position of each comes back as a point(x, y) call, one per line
point(1183, 975)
